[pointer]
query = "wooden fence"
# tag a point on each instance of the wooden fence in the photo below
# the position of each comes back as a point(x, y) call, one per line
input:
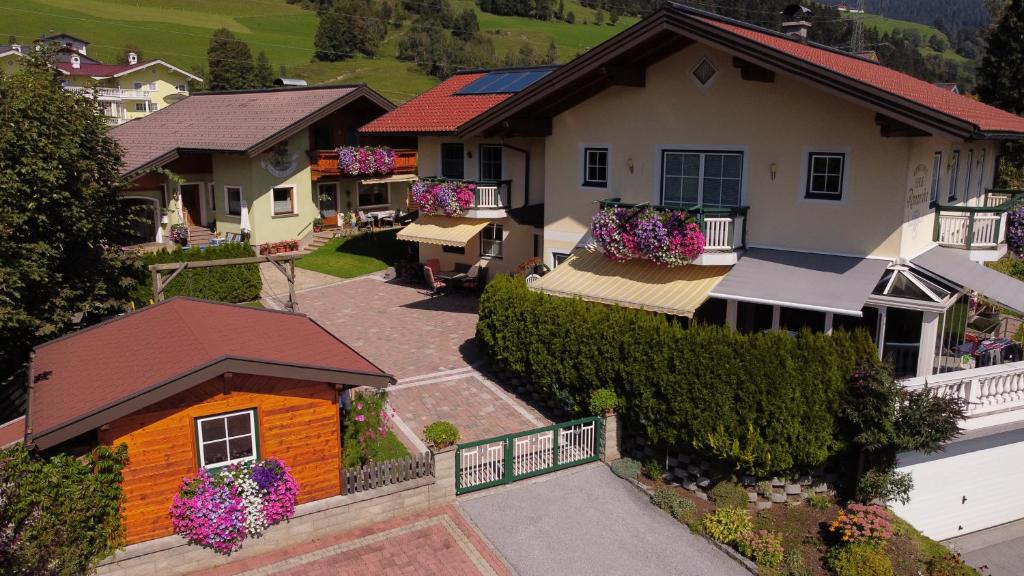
point(386, 473)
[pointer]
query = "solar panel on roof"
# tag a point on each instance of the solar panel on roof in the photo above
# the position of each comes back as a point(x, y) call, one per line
point(506, 82)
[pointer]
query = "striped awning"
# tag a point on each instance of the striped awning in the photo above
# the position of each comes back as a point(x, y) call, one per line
point(633, 284)
point(442, 230)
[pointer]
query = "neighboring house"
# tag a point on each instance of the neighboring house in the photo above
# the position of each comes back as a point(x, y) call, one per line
point(170, 379)
point(832, 192)
point(258, 162)
point(502, 228)
point(11, 58)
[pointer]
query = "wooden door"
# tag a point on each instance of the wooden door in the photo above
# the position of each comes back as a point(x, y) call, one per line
point(190, 204)
point(328, 196)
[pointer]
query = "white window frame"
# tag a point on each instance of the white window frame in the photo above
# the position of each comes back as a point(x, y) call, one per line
point(200, 443)
point(703, 153)
point(387, 196)
point(557, 258)
point(227, 200)
point(499, 241)
point(954, 176)
point(587, 182)
point(152, 86)
point(182, 87)
point(143, 105)
point(809, 192)
point(969, 175)
point(294, 209)
point(936, 190)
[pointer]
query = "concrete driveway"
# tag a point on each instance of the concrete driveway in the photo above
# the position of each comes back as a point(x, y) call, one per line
point(997, 551)
point(587, 521)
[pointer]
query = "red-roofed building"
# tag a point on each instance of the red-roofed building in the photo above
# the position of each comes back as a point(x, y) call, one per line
point(498, 230)
point(168, 379)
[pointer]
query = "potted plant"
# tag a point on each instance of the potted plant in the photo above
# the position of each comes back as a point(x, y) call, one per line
point(603, 402)
point(318, 224)
point(441, 434)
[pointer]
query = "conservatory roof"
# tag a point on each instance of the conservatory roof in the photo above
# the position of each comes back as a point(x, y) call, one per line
point(955, 266)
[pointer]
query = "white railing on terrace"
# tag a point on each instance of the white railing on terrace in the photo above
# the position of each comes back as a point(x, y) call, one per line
point(987, 390)
point(491, 195)
point(971, 229)
point(120, 93)
point(718, 233)
point(114, 121)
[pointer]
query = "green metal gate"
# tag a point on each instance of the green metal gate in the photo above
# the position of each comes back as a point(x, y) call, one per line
point(512, 457)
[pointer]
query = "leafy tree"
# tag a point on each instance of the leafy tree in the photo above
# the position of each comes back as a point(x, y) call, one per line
point(466, 25)
point(560, 13)
point(570, 18)
point(599, 17)
point(334, 39)
point(1003, 65)
point(230, 62)
point(614, 17)
point(60, 218)
point(552, 55)
point(543, 10)
point(264, 72)
point(59, 515)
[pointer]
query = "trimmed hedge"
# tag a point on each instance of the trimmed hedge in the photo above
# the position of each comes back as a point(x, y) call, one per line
point(220, 283)
point(763, 403)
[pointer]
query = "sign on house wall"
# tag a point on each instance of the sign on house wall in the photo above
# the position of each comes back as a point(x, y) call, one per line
point(917, 199)
point(279, 162)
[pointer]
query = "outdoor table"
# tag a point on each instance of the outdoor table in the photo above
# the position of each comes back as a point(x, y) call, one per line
point(378, 214)
point(450, 277)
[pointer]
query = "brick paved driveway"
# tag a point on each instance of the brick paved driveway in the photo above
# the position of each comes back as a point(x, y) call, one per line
point(428, 343)
point(438, 541)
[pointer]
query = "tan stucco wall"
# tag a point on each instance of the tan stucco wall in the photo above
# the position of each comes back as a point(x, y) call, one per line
point(774, 124)
point(513, 163)
point(517, 248)
point(11, 63)
point(166, 81)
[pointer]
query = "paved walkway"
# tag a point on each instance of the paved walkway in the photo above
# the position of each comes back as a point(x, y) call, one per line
point(587, 521)
point(438, 541)
point(275, 285)
point(428, 343)
point(997, 551)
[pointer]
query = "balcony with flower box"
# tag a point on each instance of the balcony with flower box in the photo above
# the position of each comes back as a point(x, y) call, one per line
point(982, 229)
point(490, 198)
point(331, 163)
point(723, 228)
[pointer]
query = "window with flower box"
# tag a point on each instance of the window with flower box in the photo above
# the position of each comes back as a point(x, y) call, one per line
point(227, 439)
point(490, 162)
point(691, 178)
point(452, 164)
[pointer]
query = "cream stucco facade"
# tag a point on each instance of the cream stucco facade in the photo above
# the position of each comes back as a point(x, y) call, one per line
point(776, 126)
point(134, 94)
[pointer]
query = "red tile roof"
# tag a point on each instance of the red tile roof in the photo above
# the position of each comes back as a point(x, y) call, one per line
point(12, 432)
point(96, 70)
point(986, 118)
point(102, 366)
point(437, 110)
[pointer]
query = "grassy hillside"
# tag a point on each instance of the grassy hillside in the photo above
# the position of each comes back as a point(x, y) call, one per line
point(178, 32)
point(883, 25)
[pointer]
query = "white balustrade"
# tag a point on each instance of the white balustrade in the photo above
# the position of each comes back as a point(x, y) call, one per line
point(117, 93)
point(490, 196)
point(987, 390)
point(718, 233)
point(955, 227)
point(996, 199)
point(985, 228)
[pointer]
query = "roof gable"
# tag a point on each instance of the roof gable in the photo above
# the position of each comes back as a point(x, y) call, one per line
point(622, 59)
point(127, 363)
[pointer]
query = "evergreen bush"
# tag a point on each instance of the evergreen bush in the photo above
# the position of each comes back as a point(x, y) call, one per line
point(860, 559)
point(626, 468)
point(727, 525)
point(241, 283)
point(766, 404)
point(729, 494)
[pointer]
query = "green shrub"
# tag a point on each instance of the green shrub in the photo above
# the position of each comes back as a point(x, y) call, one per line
point(441, 434)
point(763, 547)
point(703, 386)
point(603, 400)
point(949, 564)
point(886, 485)
point(679, 507)
point(819, 501)
point(860, 559)
point(653, 469)
point(727, 525)
point(220, 283)
point(793, 564)
point(729, 494)
point(626, 468)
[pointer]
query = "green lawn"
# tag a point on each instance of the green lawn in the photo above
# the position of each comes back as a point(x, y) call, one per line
point(353, 256)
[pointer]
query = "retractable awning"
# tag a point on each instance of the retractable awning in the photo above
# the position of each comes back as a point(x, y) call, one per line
point(839, 284)
point(389, 179)
point(442, 230)
point(633, 284)
point(956, 267)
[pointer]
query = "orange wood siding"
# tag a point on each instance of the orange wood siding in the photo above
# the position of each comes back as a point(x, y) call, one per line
point(297, 422)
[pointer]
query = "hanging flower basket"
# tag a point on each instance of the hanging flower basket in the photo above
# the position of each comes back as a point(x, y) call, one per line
point(220, 509)
point(667, 238)
point(179, 234)
point(448, 198)
point(366, 161)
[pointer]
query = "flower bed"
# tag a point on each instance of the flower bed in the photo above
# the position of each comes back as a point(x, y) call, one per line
point(366, 161)
point(220, 509)
point(668, 238)
point(279, 247)
point(448, 198)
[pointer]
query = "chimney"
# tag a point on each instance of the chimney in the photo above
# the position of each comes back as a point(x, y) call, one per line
point(133, 58)
point(76, 61)
point(16, 48)
point(797, 21)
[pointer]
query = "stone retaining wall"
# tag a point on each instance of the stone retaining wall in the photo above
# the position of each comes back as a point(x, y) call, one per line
point(173, 555)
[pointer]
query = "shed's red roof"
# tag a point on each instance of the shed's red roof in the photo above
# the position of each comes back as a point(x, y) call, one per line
point(437, 110)
point(101, 366)
point(986, 118)
point(12, 432)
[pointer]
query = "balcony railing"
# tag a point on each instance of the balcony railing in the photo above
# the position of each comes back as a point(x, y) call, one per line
point(110, 93)
point(987, 390)
point(724, 227)
point(325, 162)
point(489, 194)
point(980, 227)
point(995, 197)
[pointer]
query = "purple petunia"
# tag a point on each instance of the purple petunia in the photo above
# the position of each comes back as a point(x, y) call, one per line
point(366, 161)
point(668, 238)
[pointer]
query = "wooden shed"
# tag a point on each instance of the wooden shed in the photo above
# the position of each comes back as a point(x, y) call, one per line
point(187, 384)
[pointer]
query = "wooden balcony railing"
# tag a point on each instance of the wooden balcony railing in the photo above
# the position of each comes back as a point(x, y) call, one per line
point(724, 227)
point(325, 162)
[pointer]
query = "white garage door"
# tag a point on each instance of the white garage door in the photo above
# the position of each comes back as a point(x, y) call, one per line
point(972, 485)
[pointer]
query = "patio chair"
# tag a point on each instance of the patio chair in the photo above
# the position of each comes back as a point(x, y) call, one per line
point(436, 287)
point(434, 264)
point(389, 218)
point(472, 279)
point(532, 279)
point(462, 267)
point(364, 221)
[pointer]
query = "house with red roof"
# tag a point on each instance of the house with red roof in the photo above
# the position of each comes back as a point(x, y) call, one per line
point(189, 384)
point(498, 227)
point(716, 171)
